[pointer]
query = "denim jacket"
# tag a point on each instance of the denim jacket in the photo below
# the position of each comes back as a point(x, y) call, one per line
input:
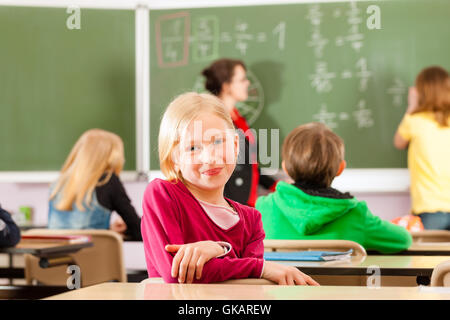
point(95, 216)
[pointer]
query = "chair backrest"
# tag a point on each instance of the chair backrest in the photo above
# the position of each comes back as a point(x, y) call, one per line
point(317, 245)
point(100, 263)
point(431, 236)
point(441, 275)
point(231, 281)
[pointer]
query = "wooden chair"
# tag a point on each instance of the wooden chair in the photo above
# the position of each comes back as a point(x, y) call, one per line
point(427, 236)
point(441, 275)
point(314, 245)
point(100, 263)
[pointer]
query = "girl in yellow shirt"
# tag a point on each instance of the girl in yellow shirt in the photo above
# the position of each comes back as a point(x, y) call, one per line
point(425, 130)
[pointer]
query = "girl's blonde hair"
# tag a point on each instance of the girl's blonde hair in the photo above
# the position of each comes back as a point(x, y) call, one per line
point(433, 87)
point(177, 117)
point(96, 152)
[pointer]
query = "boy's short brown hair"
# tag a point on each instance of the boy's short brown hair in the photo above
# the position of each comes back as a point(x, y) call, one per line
point(313, 153)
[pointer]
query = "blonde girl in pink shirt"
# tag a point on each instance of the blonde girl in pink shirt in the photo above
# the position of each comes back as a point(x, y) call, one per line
point(191, 232)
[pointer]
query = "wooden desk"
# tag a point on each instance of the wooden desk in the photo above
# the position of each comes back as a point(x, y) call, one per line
point(45, 249)
point(158, 291)
point(50, 254)
point(423, 249)
point(389, 265)
point(394, 270)
point(30, 292)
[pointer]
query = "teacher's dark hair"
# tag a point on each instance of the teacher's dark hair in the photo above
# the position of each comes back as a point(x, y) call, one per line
point(220, 72)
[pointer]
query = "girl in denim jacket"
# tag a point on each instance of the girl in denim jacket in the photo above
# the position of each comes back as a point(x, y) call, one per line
point(89, 188)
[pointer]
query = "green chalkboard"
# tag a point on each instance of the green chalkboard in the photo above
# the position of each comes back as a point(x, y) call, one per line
point(308, 62)
point(57, 82)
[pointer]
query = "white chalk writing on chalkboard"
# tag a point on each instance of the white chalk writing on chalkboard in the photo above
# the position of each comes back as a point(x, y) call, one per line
point(261, 37)
point(314, 15)
point(354, 20)
point(364, 74)
point(337, 13)
point(346, 74)
point(225, 37)
point(318, 43)
point(344, 116)
point(242, 37)
point(326, 117)
point(280, 29)
point(398, 91)
point(174, 38)
point(206, 39)
point(363, 116)
point(321, 79)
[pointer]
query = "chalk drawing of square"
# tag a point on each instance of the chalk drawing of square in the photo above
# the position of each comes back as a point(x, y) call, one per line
point(167, 19)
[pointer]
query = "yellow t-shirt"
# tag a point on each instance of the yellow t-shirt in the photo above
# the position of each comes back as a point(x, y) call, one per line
point(428, 162)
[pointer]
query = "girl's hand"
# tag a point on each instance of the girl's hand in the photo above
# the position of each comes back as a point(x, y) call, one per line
point(413, 100)
point(286, 275)
point(190, 258)
point(118, 226)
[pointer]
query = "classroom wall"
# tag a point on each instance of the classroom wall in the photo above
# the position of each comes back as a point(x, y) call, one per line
point(35, 195)
point(12, 195)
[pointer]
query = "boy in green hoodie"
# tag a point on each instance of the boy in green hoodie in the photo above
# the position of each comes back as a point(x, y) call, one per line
point(310, 209)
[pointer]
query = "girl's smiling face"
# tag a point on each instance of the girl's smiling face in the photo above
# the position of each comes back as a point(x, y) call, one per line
point(207, 152)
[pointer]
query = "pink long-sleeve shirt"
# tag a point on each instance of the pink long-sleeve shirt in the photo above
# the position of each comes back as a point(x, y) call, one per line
point(172, 215)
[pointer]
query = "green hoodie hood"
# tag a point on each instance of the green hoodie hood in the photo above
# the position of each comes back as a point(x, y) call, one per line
point(302, 212)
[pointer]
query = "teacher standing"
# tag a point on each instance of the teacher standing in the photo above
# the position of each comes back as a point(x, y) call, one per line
point(227, 79)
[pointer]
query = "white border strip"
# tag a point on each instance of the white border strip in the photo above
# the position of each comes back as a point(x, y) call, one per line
point(182, 4)
point(352, 180)
point(142, 43)
point(87, 4)
point(373, 180)
point(357, 180)
point(158, 4)
point(49, 176)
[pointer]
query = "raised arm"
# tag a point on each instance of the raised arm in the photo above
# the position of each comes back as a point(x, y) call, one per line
point(403, 134)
